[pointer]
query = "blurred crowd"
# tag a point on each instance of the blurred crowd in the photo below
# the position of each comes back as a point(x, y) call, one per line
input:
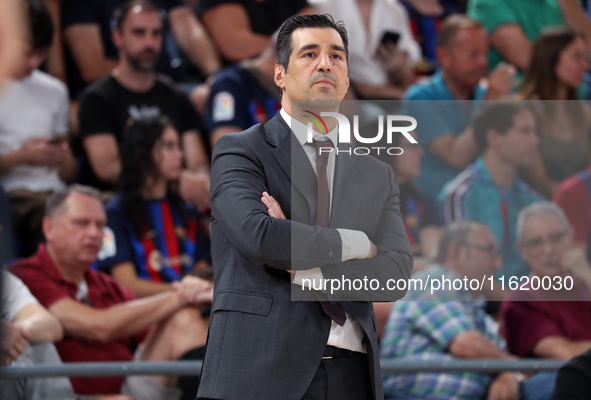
point(110, 109)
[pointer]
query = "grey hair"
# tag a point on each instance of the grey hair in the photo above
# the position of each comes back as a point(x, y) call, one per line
point(537, 209)
point(456, 232)
point(59, 197)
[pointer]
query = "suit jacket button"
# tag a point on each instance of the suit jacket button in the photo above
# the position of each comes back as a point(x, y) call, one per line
point(331, 254)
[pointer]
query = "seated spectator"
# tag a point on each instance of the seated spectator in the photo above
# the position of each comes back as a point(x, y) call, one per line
point(446, 324)
point(547, 323)
point(91, 52)
point(574, 379)
point(574, 197)
point(153, 237)
point(513, 30)
point(35, 158)
point(444, 126)
point(378, 70)
point(243, 95)
point(102, 321)
point(557, 70)
point(133, 92)
point(242, 29)
point(419, 212)
point(490, 191)
point(27, 331)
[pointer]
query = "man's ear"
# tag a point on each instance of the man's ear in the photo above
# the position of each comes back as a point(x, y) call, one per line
point(47, 225)
point(116, 36)
point(279, 76)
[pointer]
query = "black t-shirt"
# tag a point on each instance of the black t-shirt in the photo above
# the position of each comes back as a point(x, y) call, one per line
point(100, 12)
point(265, 16)
point(574, 379)
point(107, 106)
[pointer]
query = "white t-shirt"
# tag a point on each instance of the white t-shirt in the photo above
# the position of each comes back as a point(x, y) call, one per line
point(33, 107)
point(15, 296)
point(386, 15)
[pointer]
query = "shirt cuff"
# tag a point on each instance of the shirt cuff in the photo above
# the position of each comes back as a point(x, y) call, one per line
point(356, 244)
point(314, 279)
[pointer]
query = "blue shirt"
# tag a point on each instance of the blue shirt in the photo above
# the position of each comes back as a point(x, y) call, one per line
point(163, 248)
point(238, 99)
point(435, 118)
point(473, 195)
point(422, 327)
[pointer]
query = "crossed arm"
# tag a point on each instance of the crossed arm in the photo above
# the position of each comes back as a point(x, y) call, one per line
point(238, 181)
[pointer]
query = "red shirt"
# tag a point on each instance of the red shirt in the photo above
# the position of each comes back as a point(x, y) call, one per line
point(531, 316)
point(39, 273)
point(573, 197)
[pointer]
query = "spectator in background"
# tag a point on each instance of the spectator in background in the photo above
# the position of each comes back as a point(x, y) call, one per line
point(548, 323)
point(574, 379)
point(102, 321)
point(27, 331)
point(378, 70)
point(6, 243)
point(91, 52)
point(153, 238)
point(490, 191)
point(557, 70)
point(574, 197)
point(133, 92)
point(444, 125)
point(243, 95)
point(419, 212)
point(512, 27)
point(242, 29)
point(35, 158)
point(440, 325)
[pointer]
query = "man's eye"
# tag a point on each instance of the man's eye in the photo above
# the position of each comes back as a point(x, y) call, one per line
point(309, 55)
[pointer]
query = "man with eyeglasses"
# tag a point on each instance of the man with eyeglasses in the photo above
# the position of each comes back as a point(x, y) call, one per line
point(444, 324)
point(550, 314)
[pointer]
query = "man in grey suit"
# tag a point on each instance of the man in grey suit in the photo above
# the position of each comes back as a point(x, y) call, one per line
point(262, 345)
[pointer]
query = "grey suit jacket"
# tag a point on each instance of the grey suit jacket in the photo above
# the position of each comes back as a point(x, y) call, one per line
point(262, 345)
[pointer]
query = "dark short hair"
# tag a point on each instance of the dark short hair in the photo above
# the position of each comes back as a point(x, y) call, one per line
point(284, 37)
point(122, 12)
point(497, 115)
point(59, 197)
point(450, 27)
point(40, 25)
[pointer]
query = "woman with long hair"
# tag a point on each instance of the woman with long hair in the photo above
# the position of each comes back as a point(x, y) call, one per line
point(154, 237)
point(556, 71)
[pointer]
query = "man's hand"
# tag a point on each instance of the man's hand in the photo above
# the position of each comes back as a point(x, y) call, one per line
point(501, 81)
point(504, 387)
point(13, 342)
point(273, 207)
point(395, 63)
point(194, 188)
point(39, 151)
point(194, 291)
point(373, 251)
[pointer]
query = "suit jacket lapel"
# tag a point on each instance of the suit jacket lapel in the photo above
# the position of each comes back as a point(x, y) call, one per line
point(295, 163)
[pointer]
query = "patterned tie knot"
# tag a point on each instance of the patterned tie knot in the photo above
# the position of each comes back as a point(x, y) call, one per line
point(323, 148)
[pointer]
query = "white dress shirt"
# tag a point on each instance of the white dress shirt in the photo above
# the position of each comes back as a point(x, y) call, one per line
point(355, 244)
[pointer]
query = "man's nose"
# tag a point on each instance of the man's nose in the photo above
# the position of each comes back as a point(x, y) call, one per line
point(323, 62)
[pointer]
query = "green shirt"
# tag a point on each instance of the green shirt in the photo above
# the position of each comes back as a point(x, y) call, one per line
point(531, 15)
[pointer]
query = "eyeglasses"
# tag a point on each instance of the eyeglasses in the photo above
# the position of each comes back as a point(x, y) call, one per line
point(489, 249)
point(536, 242)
